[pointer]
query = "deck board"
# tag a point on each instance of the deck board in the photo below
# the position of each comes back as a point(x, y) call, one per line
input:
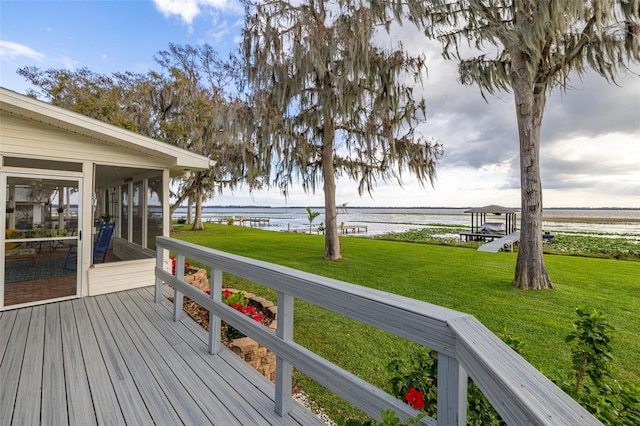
point(27, 412)
point(158, 404)
point(11, 365)
point(7, 319)
point(103, 394)
point(183, 383)
point(229, 366)
point(132, 404)
point(54, 400)
point(195, 353)
point(79, 400)
point(120, 359)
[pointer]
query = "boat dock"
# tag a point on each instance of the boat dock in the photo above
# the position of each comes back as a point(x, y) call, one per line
point(354, 229)
point(342, 229)
point(240, 221)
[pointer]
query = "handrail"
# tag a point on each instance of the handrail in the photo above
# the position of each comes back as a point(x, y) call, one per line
point(518, 392)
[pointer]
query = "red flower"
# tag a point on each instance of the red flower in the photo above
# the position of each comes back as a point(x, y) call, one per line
point(227, 293)
point(258, 318)
point(415, 398)
point(187, 266)
point(208, 291)
point(235, 306)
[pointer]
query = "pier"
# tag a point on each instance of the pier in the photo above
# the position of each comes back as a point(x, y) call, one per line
point(354, 229)
point(240, 221)
point(504, 243)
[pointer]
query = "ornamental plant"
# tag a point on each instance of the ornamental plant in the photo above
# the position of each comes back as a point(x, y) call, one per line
point(591, 378)
point(388, 418)
point(416, 371)
point(415, 377)
point(187, 266)
point(240, 303)
point(415, 398)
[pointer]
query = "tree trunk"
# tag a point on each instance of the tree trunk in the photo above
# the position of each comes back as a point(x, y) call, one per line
point(331, 241)
point(189, 210)
point(197, 220)
point(172, 209)
point(531, 272)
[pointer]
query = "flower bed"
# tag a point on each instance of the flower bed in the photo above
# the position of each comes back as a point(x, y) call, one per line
point(258, 308)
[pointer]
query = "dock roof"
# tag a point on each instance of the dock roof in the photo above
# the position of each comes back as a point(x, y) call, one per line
point(492, 209)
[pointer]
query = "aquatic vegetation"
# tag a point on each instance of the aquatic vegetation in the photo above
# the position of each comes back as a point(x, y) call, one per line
point(438, 234)
point(596, 244)
point(592, 245)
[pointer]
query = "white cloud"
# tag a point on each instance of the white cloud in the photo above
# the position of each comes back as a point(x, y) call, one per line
point(69, 63)
point(13, 50)
point(188, 10)
point(590, 145)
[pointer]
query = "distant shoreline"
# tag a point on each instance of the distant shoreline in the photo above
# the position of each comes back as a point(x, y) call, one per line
point(231, 206)
point(592, 219)
point(612, 222)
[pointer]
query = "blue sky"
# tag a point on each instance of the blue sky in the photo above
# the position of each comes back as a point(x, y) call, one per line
point(590, 141)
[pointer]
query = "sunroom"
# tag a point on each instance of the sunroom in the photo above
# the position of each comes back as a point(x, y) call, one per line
point(66, 178)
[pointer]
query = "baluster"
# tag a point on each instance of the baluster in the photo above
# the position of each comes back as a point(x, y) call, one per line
point(159, 265)
point(215, 342)
point(452, 392)
point(284, 369)
point(177, 296)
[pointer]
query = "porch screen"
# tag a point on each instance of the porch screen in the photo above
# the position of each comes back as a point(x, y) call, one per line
point(124, 211)
point(137, 213)
point(154, 210)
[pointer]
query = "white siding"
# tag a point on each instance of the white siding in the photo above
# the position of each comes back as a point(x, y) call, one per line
point(118, 276)
point(19, 137)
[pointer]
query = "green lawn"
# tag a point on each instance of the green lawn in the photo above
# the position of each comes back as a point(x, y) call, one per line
point(458, 278)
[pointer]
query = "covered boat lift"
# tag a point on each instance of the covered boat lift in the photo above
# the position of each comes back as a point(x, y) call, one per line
point(482, 230)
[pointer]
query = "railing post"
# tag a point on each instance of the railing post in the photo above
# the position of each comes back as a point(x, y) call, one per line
point(284, 369)
point(177, 296)
point(159, 282)
point(215, 342)
point(452, 392)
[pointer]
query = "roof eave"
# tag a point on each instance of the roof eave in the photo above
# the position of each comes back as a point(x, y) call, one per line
point(33, 109)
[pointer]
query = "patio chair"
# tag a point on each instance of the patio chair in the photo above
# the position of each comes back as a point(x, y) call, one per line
point(100, 247)
point(17, 251)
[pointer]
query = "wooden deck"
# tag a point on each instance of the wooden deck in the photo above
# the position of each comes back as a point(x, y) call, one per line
point(120, 359)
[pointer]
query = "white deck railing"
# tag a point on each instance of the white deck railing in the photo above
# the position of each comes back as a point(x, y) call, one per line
point(519, 392)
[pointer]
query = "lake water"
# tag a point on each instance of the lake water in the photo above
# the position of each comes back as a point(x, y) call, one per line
point(611, 222)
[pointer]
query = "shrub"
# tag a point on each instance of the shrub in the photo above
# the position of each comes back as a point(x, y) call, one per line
point(419, 369)
point(592, 383)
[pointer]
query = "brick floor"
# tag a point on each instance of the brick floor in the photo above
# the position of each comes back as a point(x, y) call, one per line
point(33, 291)
point(43, 289)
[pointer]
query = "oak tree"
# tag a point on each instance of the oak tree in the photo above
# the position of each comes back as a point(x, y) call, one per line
point(184, 104)
point(328, 102)
point(529, 47)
